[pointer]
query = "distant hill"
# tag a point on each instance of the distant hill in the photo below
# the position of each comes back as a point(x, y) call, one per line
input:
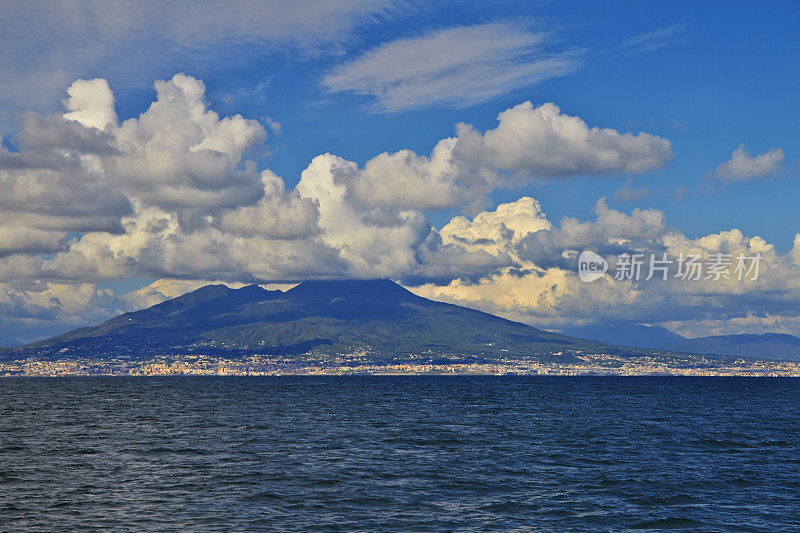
point(331, 317)
point(9, 341)
point(766, 346)
point(636, 335)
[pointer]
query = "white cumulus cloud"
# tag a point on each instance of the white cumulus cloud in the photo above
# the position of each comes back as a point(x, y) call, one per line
point(744, 166)
point(528, 143)
point(545, 142)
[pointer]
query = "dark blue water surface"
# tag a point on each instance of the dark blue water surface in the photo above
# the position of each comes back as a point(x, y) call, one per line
point(399, 453)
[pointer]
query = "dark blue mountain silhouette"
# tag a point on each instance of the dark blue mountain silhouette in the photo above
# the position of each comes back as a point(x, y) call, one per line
point(332, 317)
point(766, 346)
point(636, 335)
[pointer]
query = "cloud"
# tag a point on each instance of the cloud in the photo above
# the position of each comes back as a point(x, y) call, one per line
point(274, 126)
point(528, 143)
point(39, 310)
point(21, 239)
point(54, 186)
point(627, 193)
point(544, 142)
point(49, 43)
point(180, 154)
point(498, 231)
point(372, 242)
point(171, 194)
point(653, 40)
point(91, 103)
point(81, 171)
point(539, 283)
point(744, 166)
point(457, 66)
point(406, 179)
point(280, 214)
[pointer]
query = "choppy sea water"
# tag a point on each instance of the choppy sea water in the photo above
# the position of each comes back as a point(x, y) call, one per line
point(400, 453)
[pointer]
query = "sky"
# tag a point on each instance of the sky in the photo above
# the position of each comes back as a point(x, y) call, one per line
point(468, 150)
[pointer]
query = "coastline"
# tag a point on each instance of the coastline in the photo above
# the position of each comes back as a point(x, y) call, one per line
point(264, 366)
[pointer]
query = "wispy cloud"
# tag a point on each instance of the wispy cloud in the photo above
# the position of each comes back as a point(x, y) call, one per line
point(45, 45)
point(628, 193)
point(653, 40)
point(257, 93)
point(457, 67)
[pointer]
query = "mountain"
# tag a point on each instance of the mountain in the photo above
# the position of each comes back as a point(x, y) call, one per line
point(767, 346)
point(333, 317)
point(9, 341)
point(636, 335)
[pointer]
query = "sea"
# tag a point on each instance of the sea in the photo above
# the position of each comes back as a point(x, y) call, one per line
point(406, 453)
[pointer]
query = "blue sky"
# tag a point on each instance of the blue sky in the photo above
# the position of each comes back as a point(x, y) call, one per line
point(359, 78)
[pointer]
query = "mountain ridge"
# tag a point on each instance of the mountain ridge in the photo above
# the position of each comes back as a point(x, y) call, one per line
point(332, 317)
point(636, 335)
point(777, 346)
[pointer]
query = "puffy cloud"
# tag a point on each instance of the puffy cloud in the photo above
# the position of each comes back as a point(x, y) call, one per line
point(795, 252)
point(280, 214)
point(528, 143)
point(91, 103)
point(544, 142)
point(470, 249)
point(21, 239)
point(176, 154)
point(181, 154)
point(166, 193)
point(498, 231)
point(536, 281)
point(156, 244)
point(373, 242)
point(406, 179)
point(612, 232)
point(50, 141)
point(70, 176)
point(539, 284)
point(37, 310)
point(456, 66)
point(744, 166)
point(75, 198)
point(54, 186)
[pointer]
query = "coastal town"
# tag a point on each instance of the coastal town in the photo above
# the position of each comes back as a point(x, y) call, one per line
point(358, 363)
